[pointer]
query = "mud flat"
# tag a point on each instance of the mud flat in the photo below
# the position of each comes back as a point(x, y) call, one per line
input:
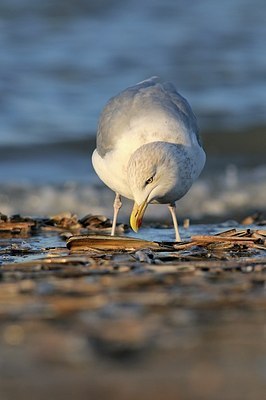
point(84, 315)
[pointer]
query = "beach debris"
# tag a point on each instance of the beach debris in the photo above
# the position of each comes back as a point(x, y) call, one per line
point(233, 241)
point(108, 243)
point(67, 223)
point(15, 225)
point(65, 220)
point(255, 218)
point(101, 223)
point(87, 236)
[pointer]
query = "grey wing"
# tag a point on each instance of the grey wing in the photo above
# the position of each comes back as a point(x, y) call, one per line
point(182, 104)
point(115, 117)
point(145, 96)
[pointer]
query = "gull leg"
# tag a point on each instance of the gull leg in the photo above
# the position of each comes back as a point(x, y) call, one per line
point(117, 206)
point(172, 209)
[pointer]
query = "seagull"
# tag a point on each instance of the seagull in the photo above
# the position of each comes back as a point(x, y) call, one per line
point(148, 148)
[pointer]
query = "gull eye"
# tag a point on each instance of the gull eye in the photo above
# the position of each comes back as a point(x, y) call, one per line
point(150, 180)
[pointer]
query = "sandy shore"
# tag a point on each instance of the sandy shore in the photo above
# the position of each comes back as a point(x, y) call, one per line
point(173, 321)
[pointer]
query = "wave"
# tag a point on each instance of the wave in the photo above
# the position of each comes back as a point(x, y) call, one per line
point(232, 193)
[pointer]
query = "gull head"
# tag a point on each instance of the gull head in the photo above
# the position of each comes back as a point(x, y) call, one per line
point(157, 173)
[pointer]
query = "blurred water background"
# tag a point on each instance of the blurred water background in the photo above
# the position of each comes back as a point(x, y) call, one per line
point(61, 60)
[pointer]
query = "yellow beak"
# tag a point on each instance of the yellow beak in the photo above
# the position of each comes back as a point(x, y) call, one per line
point(137, 215)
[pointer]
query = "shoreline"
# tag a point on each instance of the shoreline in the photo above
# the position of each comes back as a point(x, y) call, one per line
point(100, 320)
point(54, 177)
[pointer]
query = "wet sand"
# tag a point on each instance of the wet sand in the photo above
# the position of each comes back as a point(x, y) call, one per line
point(151, 320)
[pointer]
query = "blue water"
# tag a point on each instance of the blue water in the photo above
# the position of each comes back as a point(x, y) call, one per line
point(62, 60)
